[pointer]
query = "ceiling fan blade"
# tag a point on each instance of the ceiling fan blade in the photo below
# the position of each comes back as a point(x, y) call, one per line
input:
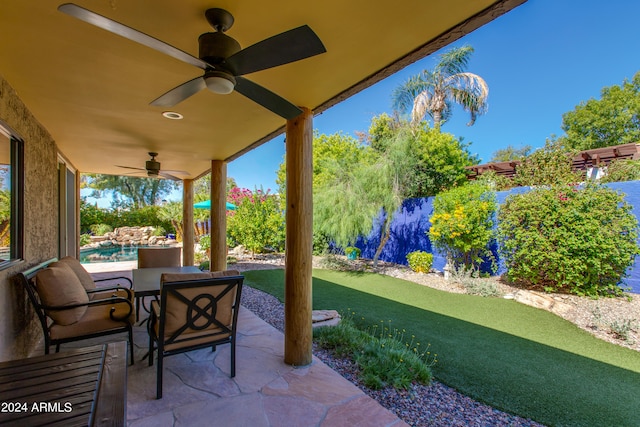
point(180, 93)
point(129, 167)
point(168, 176)
point(266, 98)
point(283, 48)
point(129, 33)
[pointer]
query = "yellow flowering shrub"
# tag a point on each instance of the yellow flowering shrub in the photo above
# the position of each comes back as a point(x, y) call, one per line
point(462, 223)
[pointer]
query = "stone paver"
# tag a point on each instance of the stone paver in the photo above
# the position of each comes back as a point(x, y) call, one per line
point(265, 391)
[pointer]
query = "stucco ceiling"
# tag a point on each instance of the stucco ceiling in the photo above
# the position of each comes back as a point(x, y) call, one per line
point(91, 89)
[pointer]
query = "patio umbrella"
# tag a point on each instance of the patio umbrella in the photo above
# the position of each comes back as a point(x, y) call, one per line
point(207, 205)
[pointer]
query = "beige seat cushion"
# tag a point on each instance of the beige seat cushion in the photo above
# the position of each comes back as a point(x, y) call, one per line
point(95, 319)
point(176, 312)
point(59, 286)
point(84, 277)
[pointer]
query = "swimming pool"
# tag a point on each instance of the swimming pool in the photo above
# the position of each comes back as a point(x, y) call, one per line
point(110, 254)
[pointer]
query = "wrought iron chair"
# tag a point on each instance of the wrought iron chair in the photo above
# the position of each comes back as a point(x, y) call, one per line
point(159, 257)
point(154, 258)
point(195, 311)
point(68, 311)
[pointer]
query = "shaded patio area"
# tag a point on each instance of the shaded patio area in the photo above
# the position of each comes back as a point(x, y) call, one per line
point(264, 392)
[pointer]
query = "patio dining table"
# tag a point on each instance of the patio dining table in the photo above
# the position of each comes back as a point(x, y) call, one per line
point(146, 281)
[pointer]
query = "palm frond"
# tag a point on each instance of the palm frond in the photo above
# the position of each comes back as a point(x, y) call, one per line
point(403, 96)
point(454, 61)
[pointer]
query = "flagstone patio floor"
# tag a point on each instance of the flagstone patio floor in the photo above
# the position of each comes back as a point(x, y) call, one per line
point(265, 391)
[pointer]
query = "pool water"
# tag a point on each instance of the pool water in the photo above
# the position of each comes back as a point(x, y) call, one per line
point(110, 254)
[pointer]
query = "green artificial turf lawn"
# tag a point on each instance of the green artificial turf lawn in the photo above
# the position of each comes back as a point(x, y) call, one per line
point(516, 358)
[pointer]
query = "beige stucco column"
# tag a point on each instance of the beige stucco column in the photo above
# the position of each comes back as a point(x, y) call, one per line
point(188, 256)
point(299, 240)
point(218, 215)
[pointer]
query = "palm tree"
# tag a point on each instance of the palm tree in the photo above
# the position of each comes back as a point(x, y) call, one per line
point(434, 92)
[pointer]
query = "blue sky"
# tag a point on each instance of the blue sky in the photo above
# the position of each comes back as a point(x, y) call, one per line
point(539, 60)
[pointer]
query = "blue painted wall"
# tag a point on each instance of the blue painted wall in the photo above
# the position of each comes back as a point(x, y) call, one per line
point(411, 225)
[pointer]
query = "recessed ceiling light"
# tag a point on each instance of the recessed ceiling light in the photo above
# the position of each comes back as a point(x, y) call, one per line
point(172, 115)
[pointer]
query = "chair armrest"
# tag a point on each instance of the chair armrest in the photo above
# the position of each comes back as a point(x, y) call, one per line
point(116, 278)
point(105, 301)
point(111, 288)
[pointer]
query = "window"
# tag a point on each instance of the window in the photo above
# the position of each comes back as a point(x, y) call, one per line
point(11, 174)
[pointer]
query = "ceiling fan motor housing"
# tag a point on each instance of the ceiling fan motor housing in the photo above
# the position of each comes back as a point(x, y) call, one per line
point(216, 47)
point(153, 166)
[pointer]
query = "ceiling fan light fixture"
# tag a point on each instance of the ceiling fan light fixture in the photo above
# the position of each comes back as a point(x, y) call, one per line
point(219, 82)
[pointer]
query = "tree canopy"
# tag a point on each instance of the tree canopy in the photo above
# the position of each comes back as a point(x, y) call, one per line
point(128, 191)
point(434, 92)
point(611, 120)
point(511, 153)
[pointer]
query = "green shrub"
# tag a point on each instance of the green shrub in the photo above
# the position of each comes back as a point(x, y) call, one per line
point(159, 231)
point(462, 223)
point(85, 239)
point(567, 239)
point(420, 261)
point(101, 229)
point(622, 170)
point(205, 242)
point(352, 252)
point(382, 355)
point(257, 223)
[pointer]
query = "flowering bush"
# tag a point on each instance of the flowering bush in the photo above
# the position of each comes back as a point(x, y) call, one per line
point(462, 223)
point(420, 261)
point(567, 239)
point(257, 222)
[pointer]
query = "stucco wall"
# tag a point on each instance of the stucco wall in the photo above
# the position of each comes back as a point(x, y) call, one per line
point(19, 332)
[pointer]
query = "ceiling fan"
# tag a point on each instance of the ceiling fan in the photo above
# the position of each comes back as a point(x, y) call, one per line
point(223, 60)
point(152, 167)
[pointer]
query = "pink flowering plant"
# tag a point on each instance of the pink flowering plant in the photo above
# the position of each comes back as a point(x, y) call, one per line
point(257, 222)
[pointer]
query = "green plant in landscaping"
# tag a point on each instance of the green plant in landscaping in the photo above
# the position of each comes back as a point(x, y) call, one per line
point(622, 328)
point(352, 252)
point(462, 223)
point(100, 229)
point(567, 239)
point(622, 170)
point(257, 222)
point(474, 284)
point(384, 359)
point(420, 261)
point(85, 239)
point(159, 231)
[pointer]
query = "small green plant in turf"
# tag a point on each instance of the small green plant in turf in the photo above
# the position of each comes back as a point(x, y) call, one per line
point(381, 354)
point(420, 261)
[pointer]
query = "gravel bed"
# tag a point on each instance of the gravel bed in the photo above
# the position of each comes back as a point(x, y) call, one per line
point(434, 405)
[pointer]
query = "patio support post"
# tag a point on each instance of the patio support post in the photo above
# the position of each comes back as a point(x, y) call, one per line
point(188, 257)
point(218, 258)
point(299, 240)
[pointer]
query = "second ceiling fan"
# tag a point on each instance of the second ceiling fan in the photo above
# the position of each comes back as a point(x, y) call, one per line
point(223, 60)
